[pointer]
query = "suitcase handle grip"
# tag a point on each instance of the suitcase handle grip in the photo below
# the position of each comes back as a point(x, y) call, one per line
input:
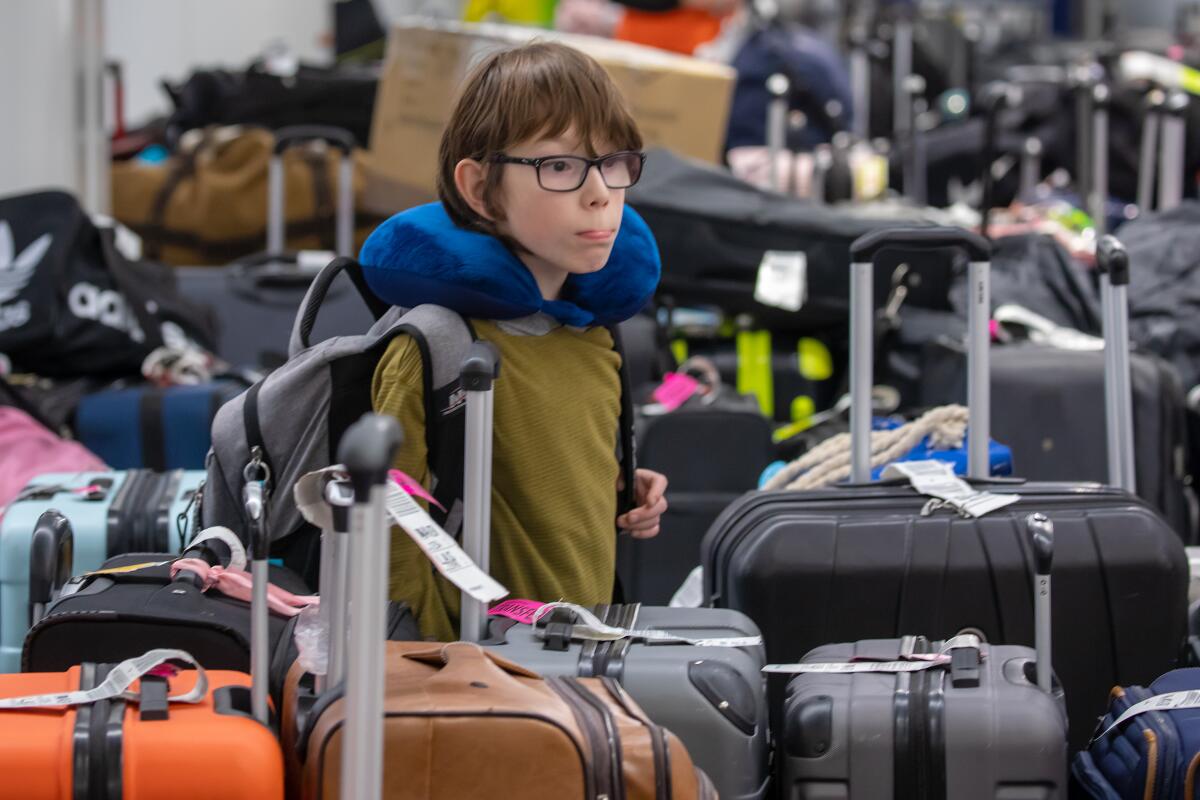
point(51, 553)
point(286, 138)
point(867, 247)
point(1113, 260)
point(368, 449)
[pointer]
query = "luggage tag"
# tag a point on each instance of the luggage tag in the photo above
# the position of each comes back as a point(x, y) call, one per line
point(675, 390)
point(1171, 701)
point(782, 280)
point(592, 629)
point(117, 684)
point(937, 479)
point(915, 662)
point(437, 545)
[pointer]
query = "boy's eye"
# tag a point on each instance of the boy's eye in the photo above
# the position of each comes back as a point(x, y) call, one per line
point(559, 166)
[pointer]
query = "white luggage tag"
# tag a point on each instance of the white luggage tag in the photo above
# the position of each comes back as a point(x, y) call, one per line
point(782, 280)
point(916, 662)
point(437, 545)
point(117, 684)
point(1171, 701)
point(937, 479)
point(591, 628)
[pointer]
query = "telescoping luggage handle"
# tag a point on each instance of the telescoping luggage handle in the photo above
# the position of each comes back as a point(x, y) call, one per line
point(367, 450)
point(862, 255)
point(286, 138)
point(1113, 263)
point(480, 369)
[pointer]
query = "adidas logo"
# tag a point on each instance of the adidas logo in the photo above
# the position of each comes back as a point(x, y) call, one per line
point(15, 272)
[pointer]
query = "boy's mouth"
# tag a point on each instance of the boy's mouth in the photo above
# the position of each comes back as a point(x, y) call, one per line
point(596, 235)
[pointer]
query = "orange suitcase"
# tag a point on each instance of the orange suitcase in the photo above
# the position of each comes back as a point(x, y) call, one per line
point(136, 731)
point(108, 750)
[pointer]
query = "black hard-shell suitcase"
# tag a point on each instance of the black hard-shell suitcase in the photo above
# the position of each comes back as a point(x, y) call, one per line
point(871, 561)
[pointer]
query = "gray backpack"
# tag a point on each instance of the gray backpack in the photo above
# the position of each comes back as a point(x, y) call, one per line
point(290, 422)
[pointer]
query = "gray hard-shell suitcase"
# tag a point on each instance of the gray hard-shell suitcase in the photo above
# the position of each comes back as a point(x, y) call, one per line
point(869, 561)
point(712, 698)
point(991, 723)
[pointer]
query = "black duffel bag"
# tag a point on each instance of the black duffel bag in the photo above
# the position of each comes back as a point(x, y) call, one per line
point(72, 304)
point(714, 232)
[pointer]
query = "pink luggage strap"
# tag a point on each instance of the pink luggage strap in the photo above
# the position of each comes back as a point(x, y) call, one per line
point(236, 583)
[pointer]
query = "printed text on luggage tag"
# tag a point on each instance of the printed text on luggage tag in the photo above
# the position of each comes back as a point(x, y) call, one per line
point(117, 683)
point(522, 611)
point(440, 547)
point(1171, 701)
point(782, 280)
point(937, 479)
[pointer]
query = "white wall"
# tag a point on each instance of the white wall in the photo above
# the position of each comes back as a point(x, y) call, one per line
point(156, 39)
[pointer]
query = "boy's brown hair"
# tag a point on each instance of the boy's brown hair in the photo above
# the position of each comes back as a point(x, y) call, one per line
point(542, 89)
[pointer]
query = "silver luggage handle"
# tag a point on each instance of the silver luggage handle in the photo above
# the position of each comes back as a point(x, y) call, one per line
point(1041, 534)
point(1113, 262)
point(863, 253)
point(285, 138)
point(367, 449)
point(480, 369)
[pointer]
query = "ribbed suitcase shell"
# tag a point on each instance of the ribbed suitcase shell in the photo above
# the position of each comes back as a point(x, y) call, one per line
point(863, 563)
point(138, 511)
point(877, 735)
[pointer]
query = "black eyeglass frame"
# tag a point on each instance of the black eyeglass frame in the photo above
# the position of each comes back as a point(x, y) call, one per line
point(536, 163)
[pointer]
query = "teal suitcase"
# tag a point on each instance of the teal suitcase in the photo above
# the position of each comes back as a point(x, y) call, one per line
point(111, 513)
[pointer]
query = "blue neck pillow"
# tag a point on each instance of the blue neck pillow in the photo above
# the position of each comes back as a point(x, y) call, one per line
point(420, 256)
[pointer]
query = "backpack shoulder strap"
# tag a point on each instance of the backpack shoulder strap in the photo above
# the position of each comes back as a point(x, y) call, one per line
point(627, 454)
point(443, 337)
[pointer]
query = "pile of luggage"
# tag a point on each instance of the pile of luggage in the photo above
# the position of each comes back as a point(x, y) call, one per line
point(888, 437)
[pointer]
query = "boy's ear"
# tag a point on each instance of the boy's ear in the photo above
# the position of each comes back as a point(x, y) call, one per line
point(470, 178)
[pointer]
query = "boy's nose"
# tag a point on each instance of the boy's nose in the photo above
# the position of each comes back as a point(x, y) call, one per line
point(595, 192)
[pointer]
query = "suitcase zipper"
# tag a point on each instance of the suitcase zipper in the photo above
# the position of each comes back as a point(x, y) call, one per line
point(658, 740)
point(602, 737)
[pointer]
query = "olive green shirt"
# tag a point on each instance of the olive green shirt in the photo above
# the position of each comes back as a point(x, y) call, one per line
point(554, 467)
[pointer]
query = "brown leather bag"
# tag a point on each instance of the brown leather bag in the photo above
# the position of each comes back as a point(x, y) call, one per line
point(462, 722)
point(207, 204)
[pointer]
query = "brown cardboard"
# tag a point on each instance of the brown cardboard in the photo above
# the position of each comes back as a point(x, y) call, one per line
point(680, 103)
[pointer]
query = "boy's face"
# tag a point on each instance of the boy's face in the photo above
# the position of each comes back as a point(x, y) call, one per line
point(570, 233)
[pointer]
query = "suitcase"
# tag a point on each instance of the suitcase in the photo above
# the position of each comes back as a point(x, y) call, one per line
point(990, 723)
point(109, 746)
point(257, 298)
point(681, 445)
point(133, 604)
point(135, 510)
point(864, 562)
point(458, 720)
point(152, 427)
point(712, 698)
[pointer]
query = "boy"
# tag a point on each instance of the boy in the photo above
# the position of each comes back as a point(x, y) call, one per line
point(537, 153)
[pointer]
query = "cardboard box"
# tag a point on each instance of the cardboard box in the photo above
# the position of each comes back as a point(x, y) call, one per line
point(680, 103)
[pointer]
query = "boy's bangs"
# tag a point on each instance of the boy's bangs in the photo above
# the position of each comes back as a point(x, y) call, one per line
point(572, 101)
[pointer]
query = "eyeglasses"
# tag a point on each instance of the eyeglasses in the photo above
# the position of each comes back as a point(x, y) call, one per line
point(567, 173)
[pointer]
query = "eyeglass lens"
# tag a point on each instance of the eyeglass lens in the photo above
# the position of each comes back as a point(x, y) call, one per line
point(567, 173)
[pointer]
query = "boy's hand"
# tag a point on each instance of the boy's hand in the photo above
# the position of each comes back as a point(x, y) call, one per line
point(649, 490)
